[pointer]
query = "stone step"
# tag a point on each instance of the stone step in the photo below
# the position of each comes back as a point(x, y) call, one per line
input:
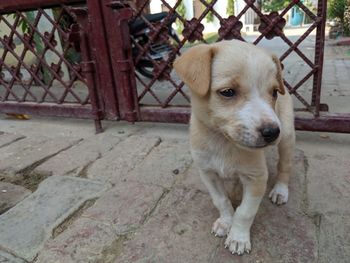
point(26, 227)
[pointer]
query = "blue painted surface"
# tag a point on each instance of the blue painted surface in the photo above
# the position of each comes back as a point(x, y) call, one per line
point(297, 17)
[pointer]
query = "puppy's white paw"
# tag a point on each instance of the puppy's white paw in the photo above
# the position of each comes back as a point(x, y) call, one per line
point(238, 242)
point(279, 194)
point(221, 226)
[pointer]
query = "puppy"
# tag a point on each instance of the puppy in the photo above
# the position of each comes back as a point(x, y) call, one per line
point(239, 106)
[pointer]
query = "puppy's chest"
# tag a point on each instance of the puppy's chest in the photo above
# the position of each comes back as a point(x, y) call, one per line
point(222, 161)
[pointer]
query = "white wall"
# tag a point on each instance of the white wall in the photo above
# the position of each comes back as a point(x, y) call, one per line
point(220, 8)
point(156, 6)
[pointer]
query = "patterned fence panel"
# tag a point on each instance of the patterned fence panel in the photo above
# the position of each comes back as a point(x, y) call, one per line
point(163, 97)
point(45, 62)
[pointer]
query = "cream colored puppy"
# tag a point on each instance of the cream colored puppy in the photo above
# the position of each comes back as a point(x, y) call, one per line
point(239, 106)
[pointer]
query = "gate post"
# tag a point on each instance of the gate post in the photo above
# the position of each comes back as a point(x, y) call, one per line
point(319, 50)
point(117, 15)
point(106, 83)
point(79, 34)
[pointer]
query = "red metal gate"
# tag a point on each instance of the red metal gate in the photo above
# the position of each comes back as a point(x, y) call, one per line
point(105, 81)
point(313, 115)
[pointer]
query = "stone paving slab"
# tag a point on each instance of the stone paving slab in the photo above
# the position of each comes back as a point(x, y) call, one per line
point(170, 159)
point(8, 258)
point(8, 138)
point(123, 158)
point(97, 235)
point(86, 241)
point(26, 227)
point(77, 158)
point(278, 234)
point(19, 146)
point(126, 206)
point(328, 186)
point(334, 238)
point(10, 195)
point(21, 155)
point(179, 231)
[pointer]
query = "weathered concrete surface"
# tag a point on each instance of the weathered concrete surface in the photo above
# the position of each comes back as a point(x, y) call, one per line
point(179, 231)
point(97, 236)
point(279, 234)
point(86, 241)
point(163, 164)
point(10, 195)
point(26, 153)
point(8, 258)
point(191, 179)
point(328, 186)
point(334, 238)
point(8, 138)
point(25, 227)
point(115, 165)
point(75, 160)
point(126, 206)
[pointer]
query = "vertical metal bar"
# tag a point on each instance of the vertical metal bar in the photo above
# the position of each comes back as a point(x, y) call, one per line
point(117, 17)
point(319, 52)
point(106, 83)
point(88, 65)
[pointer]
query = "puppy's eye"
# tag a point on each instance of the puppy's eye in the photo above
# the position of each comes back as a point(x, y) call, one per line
point(228, 93)
point(274, 93)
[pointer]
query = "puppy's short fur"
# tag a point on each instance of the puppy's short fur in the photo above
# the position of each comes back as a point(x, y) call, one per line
point(239, 106)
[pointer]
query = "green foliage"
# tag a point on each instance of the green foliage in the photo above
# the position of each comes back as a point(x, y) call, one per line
point(339, 9)
point(274, 5)
point(181, 10)
point(347, 16)
point(230, 9)
point(336, 9)
point(23, 24)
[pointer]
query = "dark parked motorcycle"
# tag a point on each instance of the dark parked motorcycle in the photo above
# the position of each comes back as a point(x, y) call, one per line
point(157, 51)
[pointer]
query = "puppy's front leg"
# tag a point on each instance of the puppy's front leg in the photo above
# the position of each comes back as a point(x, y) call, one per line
point(238, 239)
point(221, 201)
point(279, 193)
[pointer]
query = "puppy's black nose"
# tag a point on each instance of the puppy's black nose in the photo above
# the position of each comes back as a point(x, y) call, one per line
point(270, 133)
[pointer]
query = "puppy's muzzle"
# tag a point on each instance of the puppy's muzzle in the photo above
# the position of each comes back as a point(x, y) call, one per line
point(270, 133)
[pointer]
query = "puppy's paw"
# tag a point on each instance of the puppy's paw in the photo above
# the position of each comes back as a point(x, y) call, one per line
point(238, 242)
point(279, 194)
point(221, 226)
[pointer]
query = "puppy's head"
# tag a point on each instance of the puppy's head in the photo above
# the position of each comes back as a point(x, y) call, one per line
point(234, 87)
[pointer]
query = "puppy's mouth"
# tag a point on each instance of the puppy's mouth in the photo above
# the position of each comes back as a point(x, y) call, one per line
point(245, 145)
point(253, 147)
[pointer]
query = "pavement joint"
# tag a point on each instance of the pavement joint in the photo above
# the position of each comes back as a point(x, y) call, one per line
point(112, 251)
point(29, 178)
point(318, 222)
point(156, 205)
point(83, 172)
point(15, 140)
point(305, 200)
point(73, 217)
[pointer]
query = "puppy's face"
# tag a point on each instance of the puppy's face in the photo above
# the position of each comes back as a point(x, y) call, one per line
point(234, 88)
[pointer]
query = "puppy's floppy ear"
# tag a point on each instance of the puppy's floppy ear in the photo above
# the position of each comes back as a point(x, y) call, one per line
point(281, 88)
point(194, 68)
